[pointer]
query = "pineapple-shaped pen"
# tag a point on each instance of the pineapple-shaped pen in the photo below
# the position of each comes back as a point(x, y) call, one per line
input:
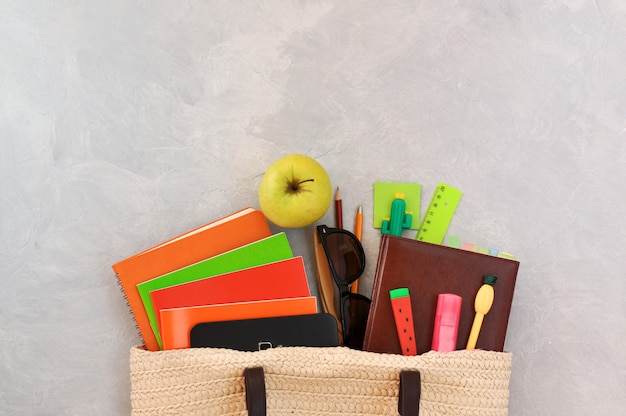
point(482, 305)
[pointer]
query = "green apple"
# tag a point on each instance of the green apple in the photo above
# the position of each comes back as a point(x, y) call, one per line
point(295, 191)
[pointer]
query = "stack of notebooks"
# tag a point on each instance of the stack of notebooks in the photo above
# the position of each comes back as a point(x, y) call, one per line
point(230, 269)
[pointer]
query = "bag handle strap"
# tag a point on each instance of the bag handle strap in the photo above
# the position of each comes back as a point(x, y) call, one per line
point(408, 400)
point(410, 392)
point(255, 391)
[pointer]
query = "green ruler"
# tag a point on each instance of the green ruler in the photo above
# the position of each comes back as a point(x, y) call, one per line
point(439, 214)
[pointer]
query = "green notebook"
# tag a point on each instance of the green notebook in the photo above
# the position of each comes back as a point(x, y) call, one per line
point(267, 250)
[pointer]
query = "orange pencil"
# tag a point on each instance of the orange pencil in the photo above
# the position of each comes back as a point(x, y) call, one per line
point(358, 223)
point(338, 210)
point(358, 232)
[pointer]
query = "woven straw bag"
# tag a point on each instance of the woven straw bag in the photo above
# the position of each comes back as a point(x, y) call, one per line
point(317, 381)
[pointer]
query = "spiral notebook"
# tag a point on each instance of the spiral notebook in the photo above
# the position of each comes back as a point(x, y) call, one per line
point(224, 234)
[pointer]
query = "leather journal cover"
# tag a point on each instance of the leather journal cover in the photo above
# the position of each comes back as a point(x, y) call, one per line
point(430, 269)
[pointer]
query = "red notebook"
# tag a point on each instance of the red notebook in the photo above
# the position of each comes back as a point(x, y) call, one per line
point(240, 228)
point(281, 279)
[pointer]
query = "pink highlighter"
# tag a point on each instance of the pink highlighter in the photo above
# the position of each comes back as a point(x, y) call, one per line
point(446, 322)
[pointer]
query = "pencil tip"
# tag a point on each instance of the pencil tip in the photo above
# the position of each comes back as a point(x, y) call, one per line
point(337, 194)
point(359, 210)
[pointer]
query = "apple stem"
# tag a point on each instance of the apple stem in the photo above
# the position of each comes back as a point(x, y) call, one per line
point(296, 185)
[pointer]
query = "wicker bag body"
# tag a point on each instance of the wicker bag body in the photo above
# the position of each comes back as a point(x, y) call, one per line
point(316, 381)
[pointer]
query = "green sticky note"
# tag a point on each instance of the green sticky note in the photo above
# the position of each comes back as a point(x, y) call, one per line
point(454, 241)
point(386, 192)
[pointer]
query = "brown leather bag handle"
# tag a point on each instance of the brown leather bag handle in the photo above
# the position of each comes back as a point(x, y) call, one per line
point(408, 400)
point(410, 392)
point(255, 391)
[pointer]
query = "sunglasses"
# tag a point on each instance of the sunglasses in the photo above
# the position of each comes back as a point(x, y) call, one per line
point(346, 260)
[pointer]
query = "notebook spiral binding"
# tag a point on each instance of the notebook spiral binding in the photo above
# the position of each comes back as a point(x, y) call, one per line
point(130, 310)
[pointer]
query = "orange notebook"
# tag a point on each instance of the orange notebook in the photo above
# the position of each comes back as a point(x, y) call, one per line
point(280, 279)
point(176, 323)
point(217, 237)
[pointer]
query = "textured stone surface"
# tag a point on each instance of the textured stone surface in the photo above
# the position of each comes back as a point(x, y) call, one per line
point(125, 123)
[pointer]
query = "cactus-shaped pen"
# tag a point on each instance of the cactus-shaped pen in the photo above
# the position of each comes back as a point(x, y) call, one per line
point(482, 305)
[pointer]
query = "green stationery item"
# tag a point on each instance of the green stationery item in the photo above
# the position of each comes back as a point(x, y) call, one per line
point(384, 195)
point(267, 250)
point(439, 214)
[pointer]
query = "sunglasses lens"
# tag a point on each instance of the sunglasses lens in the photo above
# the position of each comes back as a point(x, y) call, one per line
point(345, 256)
point(355, 311)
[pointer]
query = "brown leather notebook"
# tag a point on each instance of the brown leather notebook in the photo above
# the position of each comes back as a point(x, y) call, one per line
point(428, 270)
